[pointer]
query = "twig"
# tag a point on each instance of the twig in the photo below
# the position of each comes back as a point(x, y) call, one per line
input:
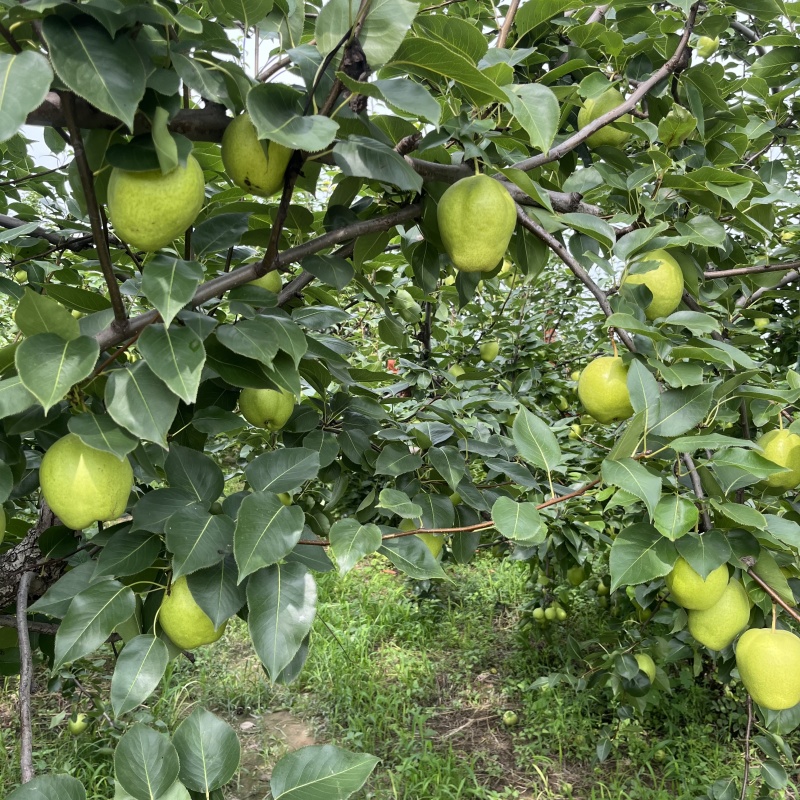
point(100, 240)
point(580, 273)
point(698, 490)
point(597, 14)
point(746, 775)
point(749, 563)
point(275, 67)
point(674, 64)
point(507, 23)
point(748, 33)
point(755, 270)
point(744, 301)
point(12, 43)
point(25, 680)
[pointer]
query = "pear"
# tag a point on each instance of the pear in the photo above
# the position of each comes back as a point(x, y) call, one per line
point(769, 665)
point(83, 485)
point(489, 351)
point(266, 408)
point(576, 575)
point(603, 389)
point(271, 281)
point(408, 308)
point(706, 46)
point(148, 210)
point(456, 371)
point(691, 591)
point(433, 541)
point(665, 282)
point(718, 626)
point(186, 624)
point(760, 323)
point(476, 218)
point(246, 163)
point(609, 136)
point(646, 665)
point(782, 447)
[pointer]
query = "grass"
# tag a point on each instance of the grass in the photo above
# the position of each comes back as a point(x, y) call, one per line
point(423, 682)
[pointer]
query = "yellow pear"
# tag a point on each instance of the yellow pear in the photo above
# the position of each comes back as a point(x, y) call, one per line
point(83, 485)
point(271, 282)
point(706, 46)
point(665, 282)
point(769, 666)
point(783, 448)
point(148, 210)
point(718, 626)
point(246, 163)
point(476, 218)
point(691, 591)
point(184, 621)
point(646, 665)
point(592, 108)
point(603, 389)
point(266, 408)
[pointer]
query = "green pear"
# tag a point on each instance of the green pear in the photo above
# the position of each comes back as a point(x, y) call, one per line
point(550, 613)
point(718, 626)
point(489, 350)
point(783, 448)
point(285, 498)
point(576, 575)
point(266, 408)
point(476, 218)
point(603, 389)
point(769, 666)
point(665, 282)
point(759, 323)
point(575, 431)
point(706, 46)
point(456, 370)
point(21, 275)
point(646, 665)
point(271, 281)
point(78, 723)
point(690, 590)
point(575, 375)
point(592, 108)
point(433, 541)
point(246, 162)
point(83, 485)
point(186, 624)
point(408, 308)
point(148, 210)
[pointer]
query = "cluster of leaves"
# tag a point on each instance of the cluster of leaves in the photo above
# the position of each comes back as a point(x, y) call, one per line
point(709, 171)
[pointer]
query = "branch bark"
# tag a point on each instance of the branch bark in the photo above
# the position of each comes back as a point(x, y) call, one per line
point(577, 270)
point(25, 680)
point(744, 302)
point(758, 269)
point(698, 490)
point(507, 23)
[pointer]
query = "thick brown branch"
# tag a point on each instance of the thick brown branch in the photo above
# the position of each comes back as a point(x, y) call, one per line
point(577, 270)
point(96, 221)
point(25, 680)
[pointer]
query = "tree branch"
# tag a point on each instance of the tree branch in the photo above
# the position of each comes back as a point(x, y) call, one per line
point(238, 277)
point(673, 64)
point(744, 302)
point(98, 232)
point(25, 679)
point(507, 23)
point(698, 490)
point(755, 270)
point(749, 563)
point(47, 628)
point(577, 270)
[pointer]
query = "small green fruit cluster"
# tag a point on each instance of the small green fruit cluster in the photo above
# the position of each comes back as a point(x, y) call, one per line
point(551, 613)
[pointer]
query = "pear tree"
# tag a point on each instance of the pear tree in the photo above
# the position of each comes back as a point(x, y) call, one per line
point(368, 257)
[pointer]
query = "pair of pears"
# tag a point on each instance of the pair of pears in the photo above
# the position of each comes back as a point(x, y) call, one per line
point(149, 209)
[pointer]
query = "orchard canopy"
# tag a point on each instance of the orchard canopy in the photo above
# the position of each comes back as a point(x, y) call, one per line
point(235, 357)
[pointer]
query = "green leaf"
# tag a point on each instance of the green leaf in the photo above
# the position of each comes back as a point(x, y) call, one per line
point(176, 355)
point(396, 459)
point(249, 13)
point(704, 552)
point(153, 509)
point(520, 522)
point(206, 82)
point(708, 441)
point(640, 554)
point(768, 570)
point(399, 503)
point(409, 97)
point(633, 477)
point(412, 556)
point(675, 516)
point(50, 787)
point(49, 366)
point(643, 389)
point(107, 72)
point(195, 472)
point(56, 600)
point(351, 541)
point(532, 15)
point(197, 539)
point(92, 616)
point(282, 602)
point(127, 552)
point(282, 470)
point(536, 109)
point(25, 80)
point(138, 672)
point(784, 530)
point(736, 467)
point(433, 60)
point(145, 763)
point(681, 409)
point(217, 590)
point(368, 158)
point(449, 463)
point(250, 338)
point(535, 441)
point(169, 283)
point(597, 229)
point(277, 113)
point(102, 433)
point(218, 233)
point(14, 397)
point(702, 230)
point(742, 515)
point(290, 338)
point(266, 531)
point(208, 749)
point(141, 403)
point(320, 771)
